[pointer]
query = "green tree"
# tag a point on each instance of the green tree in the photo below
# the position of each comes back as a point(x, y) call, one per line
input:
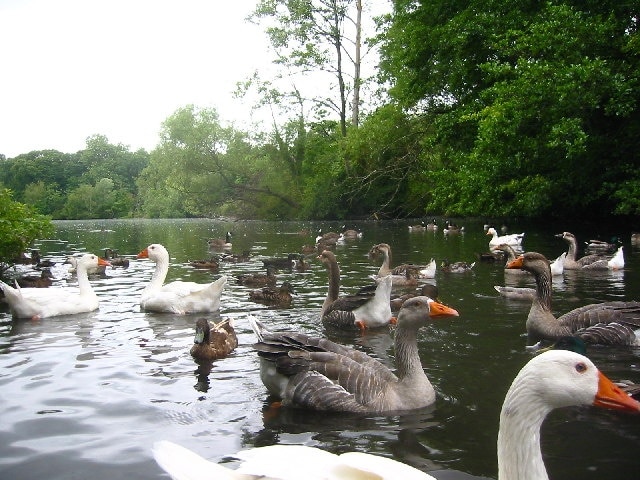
point(20, 225)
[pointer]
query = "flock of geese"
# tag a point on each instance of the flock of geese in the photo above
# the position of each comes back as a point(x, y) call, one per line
point(310, 372)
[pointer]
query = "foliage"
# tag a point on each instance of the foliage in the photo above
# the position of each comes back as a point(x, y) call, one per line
point(20, 225)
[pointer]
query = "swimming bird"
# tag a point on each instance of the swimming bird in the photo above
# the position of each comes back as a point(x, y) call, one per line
point(354, 311)
point(177, 297)
point(281, 296)
point(115, 259)
point(513, 239)
point(402, 274)
point(258, 279)
point(221, 243)
point(91, 270)
point(609, 323)
point(213, 341)
point(456, 267)
point(44, 280)
point(210, 264)
point(350, 233)
point(287, 262)
point(572, 262)
point(37, 303)
point(315, 373)
point(419, 227)
point(555, 379)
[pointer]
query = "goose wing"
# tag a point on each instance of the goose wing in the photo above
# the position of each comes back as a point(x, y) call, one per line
point(624, 313)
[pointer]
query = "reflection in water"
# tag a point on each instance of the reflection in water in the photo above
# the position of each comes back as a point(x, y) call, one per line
point(92, 392)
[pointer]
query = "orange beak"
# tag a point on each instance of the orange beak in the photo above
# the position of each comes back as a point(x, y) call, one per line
point(437, 309)
point(143, 254)
point(612, 397)
point(517, 263)
point(103, 262)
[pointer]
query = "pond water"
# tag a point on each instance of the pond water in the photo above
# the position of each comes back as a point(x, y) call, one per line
point(86, 396)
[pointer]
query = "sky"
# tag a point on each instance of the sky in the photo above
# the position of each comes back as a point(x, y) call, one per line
point(119, 68)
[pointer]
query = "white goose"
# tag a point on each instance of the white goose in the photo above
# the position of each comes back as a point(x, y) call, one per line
point(177, 297)
point(554, 379)
point(511, 239)
point(37, 303)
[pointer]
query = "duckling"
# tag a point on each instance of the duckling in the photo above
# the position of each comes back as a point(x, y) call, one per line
point(43, 280)
point(456, 267)
point(212, 342)
point(258, 279)
point(115, 259)
point(280, 297)
point(224, 243)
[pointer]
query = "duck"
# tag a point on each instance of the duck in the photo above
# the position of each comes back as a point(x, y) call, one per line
point(213, 341)
point(286, 263)
point(456, 267)
point(553, 379)
point(207, 264)
point(402, 272)
point(115, 259)
point(513, 239)
point(350, 233)
point(571, 262)
point(281, 296)
point(245, 256)
point(91, 270)
point(354, 311)
point(258, 279)
point(177, 297)
point(607, 323)
point(223, 243)
point(38, 303)
point(318, 374)
point(44, 280)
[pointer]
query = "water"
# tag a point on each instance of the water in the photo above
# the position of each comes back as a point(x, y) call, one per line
point(86, 396)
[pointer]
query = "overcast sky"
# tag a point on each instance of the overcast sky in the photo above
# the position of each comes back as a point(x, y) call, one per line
point(119, 68)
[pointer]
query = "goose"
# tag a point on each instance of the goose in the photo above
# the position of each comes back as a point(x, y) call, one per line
point(402, 272)
point(432, 225)
point(44, 280)
point(318, 374)
point(213, 341)
point(37, 303)
point(177, 297)
point(513, 239)
point(609, 323)
point(456, 267)
point(91, 270)
point(516, 293)
point(602, 246)
point(427, 290)
point(554, 379)
point(280, 296)
point(452, 229)
point(557, 266)
point(511, 255)
point(115, 259)
point(329, 238)
point(350, 233)
point(258, 279)
point(354, 311)
point(421, 227)
point(571, 262)
point(224, 243)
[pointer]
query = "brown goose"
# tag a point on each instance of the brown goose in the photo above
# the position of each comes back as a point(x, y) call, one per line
point(571, 262)
point(212, 342)
point(354, 311)
point(405, 274)
point(280, 296)
point(511, 256)
point(310, 372)
point(608, 323)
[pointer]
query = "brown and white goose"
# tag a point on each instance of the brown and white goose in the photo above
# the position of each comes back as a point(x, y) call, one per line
point(608, 323)
point(315, 373)
point(554, 379)
point(359, 311)
point(405, 274)
point(590, 262)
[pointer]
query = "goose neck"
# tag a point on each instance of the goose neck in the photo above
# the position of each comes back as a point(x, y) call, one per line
point(406, 351)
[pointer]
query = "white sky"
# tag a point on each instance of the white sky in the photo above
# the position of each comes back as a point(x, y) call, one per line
point(74, 68)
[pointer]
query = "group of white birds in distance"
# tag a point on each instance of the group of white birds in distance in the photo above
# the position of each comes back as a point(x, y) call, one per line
point(310, 372)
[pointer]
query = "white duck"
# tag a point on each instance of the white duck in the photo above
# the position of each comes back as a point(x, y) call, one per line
point(37, 303)
point(177, 297)
point(553, 379)
point(511, 239)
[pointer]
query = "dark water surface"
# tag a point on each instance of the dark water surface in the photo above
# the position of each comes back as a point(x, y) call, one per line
point(86, 396)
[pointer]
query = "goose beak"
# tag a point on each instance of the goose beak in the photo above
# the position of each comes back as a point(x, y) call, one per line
point(612, 397)
point(103, 262)
point(517, 263)
point(437, 309)
point(143, 254)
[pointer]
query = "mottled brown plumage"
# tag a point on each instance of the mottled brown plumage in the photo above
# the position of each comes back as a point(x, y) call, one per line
point(213, 341)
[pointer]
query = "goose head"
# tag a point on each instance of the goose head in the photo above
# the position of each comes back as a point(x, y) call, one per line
point(154, 252)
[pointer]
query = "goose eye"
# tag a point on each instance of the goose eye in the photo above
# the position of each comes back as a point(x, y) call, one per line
point(581, 367)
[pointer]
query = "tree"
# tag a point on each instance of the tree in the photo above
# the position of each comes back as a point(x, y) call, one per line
point(20, 225)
